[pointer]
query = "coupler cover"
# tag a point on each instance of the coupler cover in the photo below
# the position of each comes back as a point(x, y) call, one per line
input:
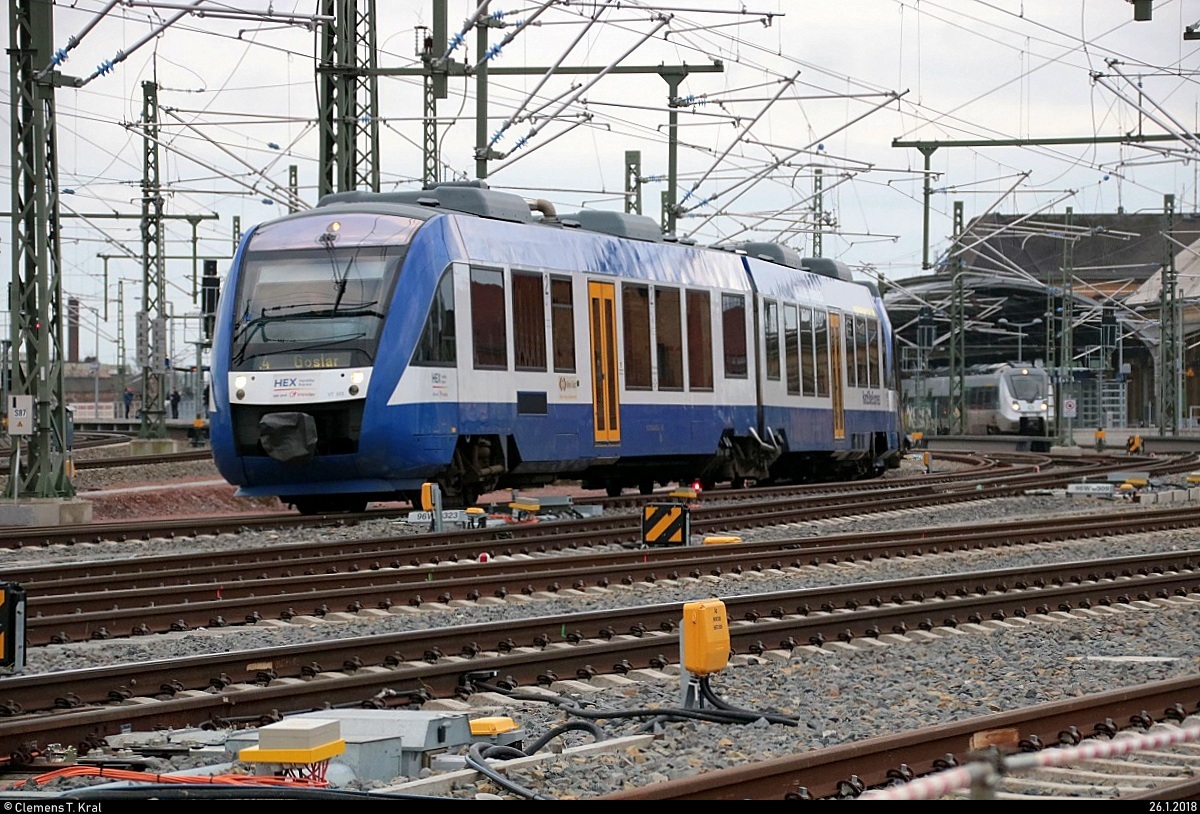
point(290, 438)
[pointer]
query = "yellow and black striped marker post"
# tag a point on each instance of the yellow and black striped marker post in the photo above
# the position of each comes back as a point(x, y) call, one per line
point(665, 524)
point(12, 628)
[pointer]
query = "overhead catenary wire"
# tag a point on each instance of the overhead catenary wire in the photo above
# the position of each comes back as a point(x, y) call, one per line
point(61, 55)
point(746, 183)
point(518, 113)
point(578, 92)
point(1044, 47)
point(107, 65)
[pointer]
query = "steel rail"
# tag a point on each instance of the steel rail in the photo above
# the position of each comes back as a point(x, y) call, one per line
point(414, 677)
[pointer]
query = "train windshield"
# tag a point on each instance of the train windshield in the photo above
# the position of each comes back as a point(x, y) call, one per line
point(313, 291)
point(1027, 388)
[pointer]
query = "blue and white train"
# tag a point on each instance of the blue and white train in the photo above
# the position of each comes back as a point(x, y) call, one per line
point(472, 338)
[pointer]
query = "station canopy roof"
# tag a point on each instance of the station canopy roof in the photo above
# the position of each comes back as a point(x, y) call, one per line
point(1011, 269)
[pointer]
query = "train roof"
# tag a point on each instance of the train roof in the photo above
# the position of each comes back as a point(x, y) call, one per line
point(771, 252)
point(470, 198)
point(787, 256)
point(618, 224)
point(988, 368)
point(475, 198)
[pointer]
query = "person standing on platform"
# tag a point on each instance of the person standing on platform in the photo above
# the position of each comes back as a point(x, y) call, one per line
point(127, 396)
point(174, 404)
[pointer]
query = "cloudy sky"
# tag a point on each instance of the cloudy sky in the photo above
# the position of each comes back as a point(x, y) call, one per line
point(804, 84)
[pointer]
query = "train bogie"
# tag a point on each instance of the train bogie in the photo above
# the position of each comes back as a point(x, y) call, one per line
point(377, 342)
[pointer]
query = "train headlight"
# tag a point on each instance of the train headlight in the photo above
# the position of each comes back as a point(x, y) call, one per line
point(1044, 407)
point(354, 389)
point(1016, 405)
point(239, 382)
point(357, 377)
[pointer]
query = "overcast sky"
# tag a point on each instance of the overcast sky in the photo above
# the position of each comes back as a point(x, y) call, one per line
point(804, 84)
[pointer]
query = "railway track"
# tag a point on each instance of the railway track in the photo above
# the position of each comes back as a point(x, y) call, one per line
point(98, 532)
point(406, 669)
point(712, 512)
point(1078, 735)
point(144, 460)
point(776, 620)
point(409, 674)
point(110, 599)
point(90, 440)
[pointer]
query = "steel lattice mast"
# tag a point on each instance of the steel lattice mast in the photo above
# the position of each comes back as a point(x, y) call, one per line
point(349, 114)
point(152, 320)
point(35, 293)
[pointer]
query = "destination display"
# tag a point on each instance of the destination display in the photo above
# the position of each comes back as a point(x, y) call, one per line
point(312, 360)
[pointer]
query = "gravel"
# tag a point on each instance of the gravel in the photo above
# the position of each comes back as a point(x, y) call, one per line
point(833, 696)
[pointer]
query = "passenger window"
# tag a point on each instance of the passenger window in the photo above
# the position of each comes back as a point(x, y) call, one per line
point(529, 321)
point(436, 347)
point(635, 319)
point(791, 341)
point(562, 325)
point(851, 347)
point(488, 324)
point(771, 338)
point(807, 353)
point(875, 367)
point(733, 328)
point(862, 354)
point(821, 336)
point(668, 340)
point(699, 333)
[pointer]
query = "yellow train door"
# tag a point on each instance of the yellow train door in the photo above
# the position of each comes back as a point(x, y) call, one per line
point(602, 318)
point(835, 377)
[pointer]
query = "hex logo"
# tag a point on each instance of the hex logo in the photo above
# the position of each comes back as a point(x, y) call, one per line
point(280, 383)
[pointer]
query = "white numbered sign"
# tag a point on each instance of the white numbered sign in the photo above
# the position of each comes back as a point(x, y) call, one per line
point(20, 415)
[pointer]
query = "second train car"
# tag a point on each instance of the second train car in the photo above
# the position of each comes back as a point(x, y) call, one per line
point(469, 337)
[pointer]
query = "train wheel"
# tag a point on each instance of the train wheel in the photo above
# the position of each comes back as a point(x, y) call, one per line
point(612, 489)
point(306, 505)
point(646, 487)
point(738, 482)
point(329, 504)
point(455, 496)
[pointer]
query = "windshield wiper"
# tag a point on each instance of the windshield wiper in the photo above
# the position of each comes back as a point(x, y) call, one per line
point(365, 311)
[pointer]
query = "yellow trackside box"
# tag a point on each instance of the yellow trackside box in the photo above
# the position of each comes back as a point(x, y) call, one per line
point(427, 496)
point(705, 637)
point(12, 628)
point(492, 726)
